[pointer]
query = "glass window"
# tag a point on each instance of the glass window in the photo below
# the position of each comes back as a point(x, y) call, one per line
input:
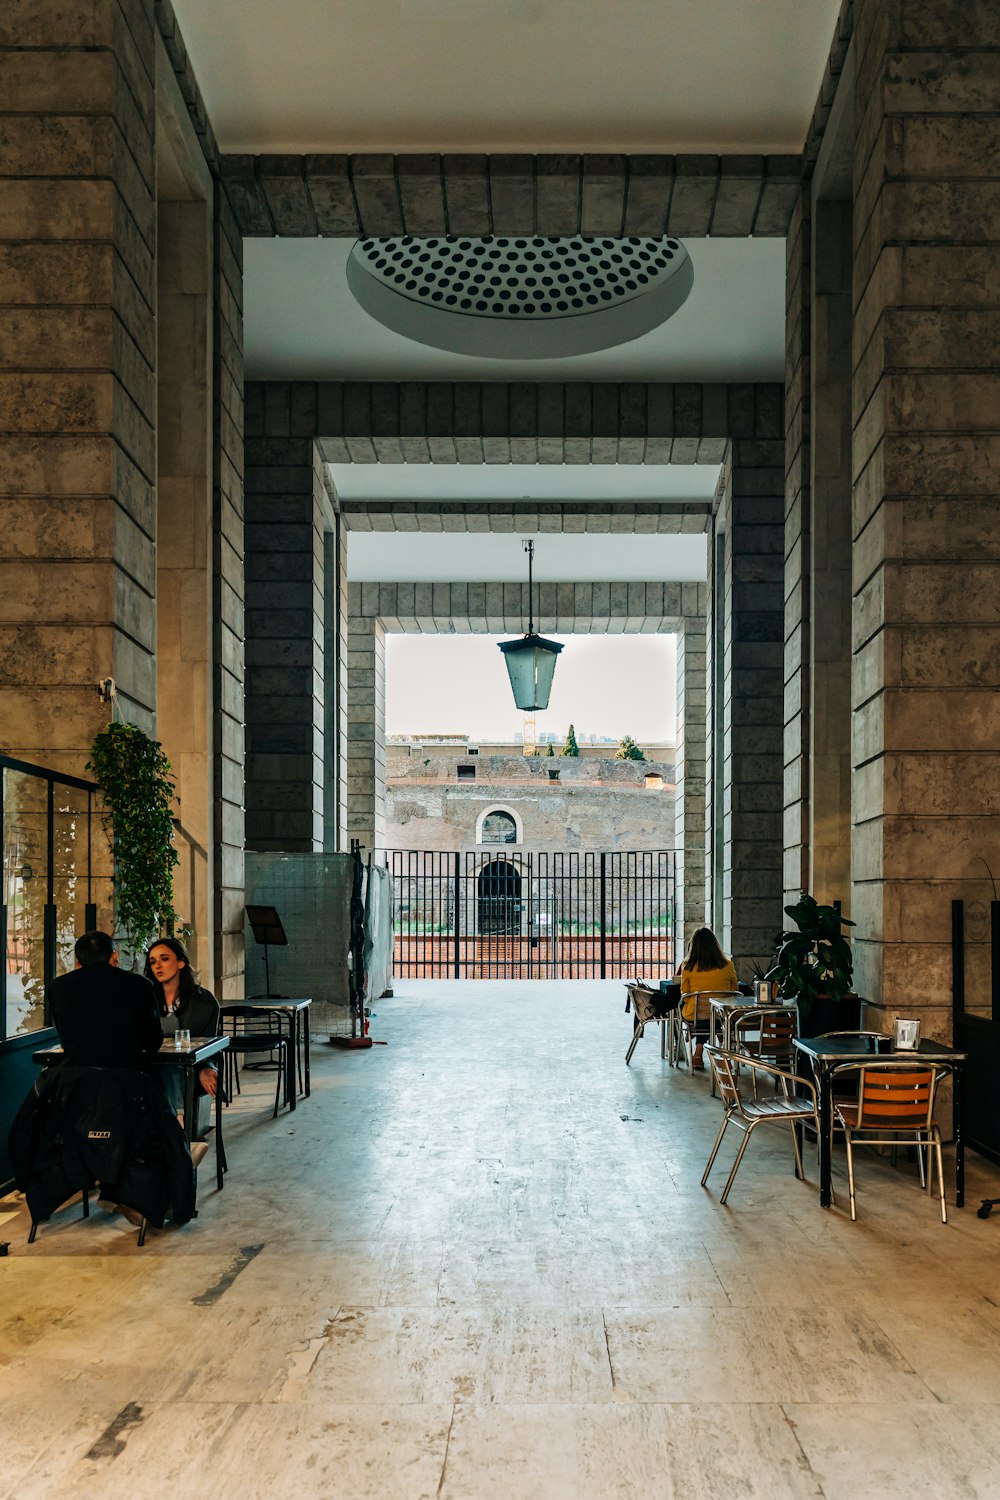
point(499, 828)
point(25, 889)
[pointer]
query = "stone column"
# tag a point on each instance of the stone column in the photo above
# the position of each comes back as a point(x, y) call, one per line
point(335, 681)
point(184, 554)
point(228, 744)
point(77, 373)
point(926, 664)
point(689, 779)
point(365, 720)
point(745, 675)
point(285, 499)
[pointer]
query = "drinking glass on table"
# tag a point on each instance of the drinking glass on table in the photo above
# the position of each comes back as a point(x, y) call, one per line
point(182, 1040)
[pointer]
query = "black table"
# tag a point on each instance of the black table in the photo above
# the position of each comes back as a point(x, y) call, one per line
point(826, 1054)
point(294, 1011)
point(191, 1058)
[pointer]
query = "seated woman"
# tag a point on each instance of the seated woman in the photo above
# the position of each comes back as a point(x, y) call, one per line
point(705, 967)
point(183, 1005)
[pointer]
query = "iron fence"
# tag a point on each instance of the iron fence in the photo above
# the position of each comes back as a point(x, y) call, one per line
point(495, 913)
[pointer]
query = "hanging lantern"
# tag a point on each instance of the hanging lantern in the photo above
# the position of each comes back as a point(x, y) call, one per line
point(530, 661)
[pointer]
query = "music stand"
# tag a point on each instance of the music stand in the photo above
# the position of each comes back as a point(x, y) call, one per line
point(265, 924)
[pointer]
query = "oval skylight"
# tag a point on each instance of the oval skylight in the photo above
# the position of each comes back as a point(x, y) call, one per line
point(529, 297)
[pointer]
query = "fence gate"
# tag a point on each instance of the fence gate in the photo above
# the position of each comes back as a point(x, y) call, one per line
point(492, 913)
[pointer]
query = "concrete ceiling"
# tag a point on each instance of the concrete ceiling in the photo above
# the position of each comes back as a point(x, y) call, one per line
point(301, 322)
point(407, 558)
point(590, 483)
point(509, 75)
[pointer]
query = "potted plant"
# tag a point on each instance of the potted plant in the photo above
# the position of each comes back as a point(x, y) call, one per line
point(813, 966)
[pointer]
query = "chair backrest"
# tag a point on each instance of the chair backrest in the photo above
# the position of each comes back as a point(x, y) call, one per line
point(251, 1020)
point(894, 1098)
point(703, 1003)
point(766, 1032)
point(642, 997)
point(726, 1078)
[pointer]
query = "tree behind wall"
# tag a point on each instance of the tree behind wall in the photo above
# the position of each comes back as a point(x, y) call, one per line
point(571, 747)
point(628, 749)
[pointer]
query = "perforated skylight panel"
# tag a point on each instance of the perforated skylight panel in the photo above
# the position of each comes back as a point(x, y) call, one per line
point(600, 292)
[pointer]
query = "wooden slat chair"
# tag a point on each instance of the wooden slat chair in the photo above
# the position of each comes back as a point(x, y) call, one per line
point(649, 1006)
point(783, 1108)
point(895, 1104)
point(767, 1033)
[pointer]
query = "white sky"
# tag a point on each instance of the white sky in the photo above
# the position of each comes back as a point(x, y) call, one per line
point(458, 684)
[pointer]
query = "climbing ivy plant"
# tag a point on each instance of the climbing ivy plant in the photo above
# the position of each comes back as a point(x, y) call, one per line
point(134, 775)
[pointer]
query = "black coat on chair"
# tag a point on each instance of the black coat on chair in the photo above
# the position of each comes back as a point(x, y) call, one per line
point(81, 1126)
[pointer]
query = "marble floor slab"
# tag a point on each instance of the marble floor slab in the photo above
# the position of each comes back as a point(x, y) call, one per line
point(478, 1263)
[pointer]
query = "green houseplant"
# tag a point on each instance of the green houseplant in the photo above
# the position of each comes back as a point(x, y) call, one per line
point(134, 775)
point(813, 961)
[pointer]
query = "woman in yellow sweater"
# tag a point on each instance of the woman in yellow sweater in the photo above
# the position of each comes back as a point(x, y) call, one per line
point(706, 967)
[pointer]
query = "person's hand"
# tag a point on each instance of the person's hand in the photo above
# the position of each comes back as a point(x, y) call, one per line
point(209, 1080)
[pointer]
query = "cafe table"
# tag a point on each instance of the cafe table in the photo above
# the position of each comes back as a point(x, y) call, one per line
point(824, 1055)
point(294, 1013)
point(199, 1051)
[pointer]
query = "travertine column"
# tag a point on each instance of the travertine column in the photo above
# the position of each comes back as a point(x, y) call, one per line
point(184, 554)
point(285, 711)
point(77, 372)
point(689, 779)
point(365, 721)
point(227, 602)
point(926, 665)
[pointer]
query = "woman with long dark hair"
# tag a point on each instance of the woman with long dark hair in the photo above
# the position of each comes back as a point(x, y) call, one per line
point(705, 967)
point(184, 1005)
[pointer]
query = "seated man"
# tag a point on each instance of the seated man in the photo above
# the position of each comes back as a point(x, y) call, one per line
point(106, 1018)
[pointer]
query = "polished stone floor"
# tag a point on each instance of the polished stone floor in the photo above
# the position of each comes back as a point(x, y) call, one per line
point(478, 1263)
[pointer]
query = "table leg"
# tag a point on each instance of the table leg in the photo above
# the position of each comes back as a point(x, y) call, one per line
point(291, 1052)
point(220, 1155)
point(825, 1162)
point(957, 1131)
point(305, 1049)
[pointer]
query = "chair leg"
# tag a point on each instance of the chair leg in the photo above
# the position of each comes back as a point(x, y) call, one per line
point(940, 1167)
point(663, 1036)
point(282, 1060)
point(850, 1174)
point(799, 1169)
point(34, 1231)
point(744, 1143)
point(637, 1033)
point(142, 1233)
point(715, 1148)
point(85, 1200)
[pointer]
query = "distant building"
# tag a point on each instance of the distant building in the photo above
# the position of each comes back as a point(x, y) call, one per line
point(448, 792)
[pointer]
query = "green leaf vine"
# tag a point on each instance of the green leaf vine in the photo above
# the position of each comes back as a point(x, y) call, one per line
point(134, 775)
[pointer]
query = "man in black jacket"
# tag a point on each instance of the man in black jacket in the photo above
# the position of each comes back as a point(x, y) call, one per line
point(105, 1016)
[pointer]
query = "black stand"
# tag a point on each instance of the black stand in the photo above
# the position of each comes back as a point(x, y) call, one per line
point(265, 924)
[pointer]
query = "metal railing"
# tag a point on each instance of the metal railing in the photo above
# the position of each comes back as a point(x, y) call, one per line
point(497, 913)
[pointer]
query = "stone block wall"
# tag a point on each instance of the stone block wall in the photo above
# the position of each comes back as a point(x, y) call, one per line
point(77, 372)
point(926, 460)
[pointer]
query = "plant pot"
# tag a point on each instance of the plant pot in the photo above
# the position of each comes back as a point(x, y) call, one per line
point(831, 1015)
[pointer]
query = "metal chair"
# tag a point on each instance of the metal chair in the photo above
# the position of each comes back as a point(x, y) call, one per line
point(649, 1006)
point(697, 1028)
point(895, 1105)
point(767, 1033)
point(747, 1114)
point(253, 1030)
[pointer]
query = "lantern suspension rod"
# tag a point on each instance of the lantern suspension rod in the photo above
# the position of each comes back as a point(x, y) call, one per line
point(529, 547)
